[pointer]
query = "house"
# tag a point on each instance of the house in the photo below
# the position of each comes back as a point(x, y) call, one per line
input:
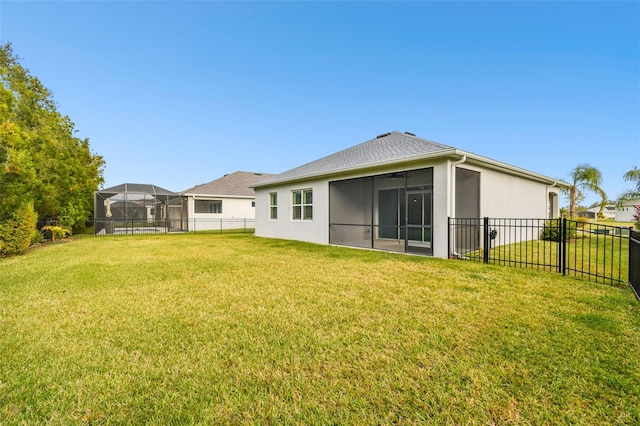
point(627, 210)
point(396, 192)
point(223, 202)
point(609, 212)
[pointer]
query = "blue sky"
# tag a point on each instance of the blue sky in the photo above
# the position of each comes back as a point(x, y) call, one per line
point(180, 93)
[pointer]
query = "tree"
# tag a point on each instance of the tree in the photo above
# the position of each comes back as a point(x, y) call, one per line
point(632, 175)
point(42, 163)
point(585, 177)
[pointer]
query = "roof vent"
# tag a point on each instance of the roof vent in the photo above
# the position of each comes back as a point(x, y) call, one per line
point(258, 174)
point(409, 133)
point(382, 135)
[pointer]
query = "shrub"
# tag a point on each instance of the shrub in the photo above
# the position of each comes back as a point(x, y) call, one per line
point(552, 230)
point(54, 232)
point(17, 230)
point(37, 238)
point(580, 221)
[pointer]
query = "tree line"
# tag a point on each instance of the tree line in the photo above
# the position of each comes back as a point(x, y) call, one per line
point(45, 171)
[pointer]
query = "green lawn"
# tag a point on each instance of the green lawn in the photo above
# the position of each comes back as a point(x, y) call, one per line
point(233, 329)
point(599, 258)
point(611, 222)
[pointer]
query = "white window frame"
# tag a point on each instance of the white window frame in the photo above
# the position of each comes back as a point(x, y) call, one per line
point(303, 210)
point(273, 206)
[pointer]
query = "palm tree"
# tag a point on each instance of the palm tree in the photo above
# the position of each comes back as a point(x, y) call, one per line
point(585, 177)
point(632, 175)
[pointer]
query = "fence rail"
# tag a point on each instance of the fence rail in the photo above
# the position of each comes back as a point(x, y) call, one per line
point(592, 251)
point(107, 226)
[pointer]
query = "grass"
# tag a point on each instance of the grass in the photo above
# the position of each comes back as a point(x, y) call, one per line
point(611, 222)
point(601, 258)
point(595, 253)
point(232, 329)
point(153, 231)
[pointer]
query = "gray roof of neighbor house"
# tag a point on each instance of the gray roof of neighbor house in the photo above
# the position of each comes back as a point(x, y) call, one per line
point(608, 207)
point(387, 149)
point(233, 184)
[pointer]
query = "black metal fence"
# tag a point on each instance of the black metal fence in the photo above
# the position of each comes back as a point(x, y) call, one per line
point(113, 227)
point(592, 251)
point(634, 262)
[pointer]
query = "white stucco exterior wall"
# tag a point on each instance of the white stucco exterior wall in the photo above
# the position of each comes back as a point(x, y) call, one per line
point(313, 231)
point(506, 196)
point(317, 230)
point(232, 208)
point(441, 200)
point(626, 212)
point(502, 195)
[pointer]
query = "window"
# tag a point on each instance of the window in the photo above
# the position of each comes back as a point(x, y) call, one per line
point(208, 206)
point(273, 205)
point(253, 204)
point(302, 204)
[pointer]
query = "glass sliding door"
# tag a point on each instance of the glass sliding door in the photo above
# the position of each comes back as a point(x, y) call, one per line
point(419, 221)
point(388, 213)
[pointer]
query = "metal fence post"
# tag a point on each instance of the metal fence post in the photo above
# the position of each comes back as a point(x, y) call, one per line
point(634, 261)
point(563, 244)
point(486, 242)
point(449, 236)
point(559, 251)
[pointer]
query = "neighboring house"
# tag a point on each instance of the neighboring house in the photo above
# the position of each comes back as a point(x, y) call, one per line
point(395, 192)
point(609, 212)
point(218, 203)
point(626, 211)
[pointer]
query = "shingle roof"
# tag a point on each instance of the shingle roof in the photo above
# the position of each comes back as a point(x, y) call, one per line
point(608, 207)
point(388, 147)
point(233, 184)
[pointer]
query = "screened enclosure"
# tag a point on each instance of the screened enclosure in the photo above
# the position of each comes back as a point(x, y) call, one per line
point(392, 212)
point(131, 208)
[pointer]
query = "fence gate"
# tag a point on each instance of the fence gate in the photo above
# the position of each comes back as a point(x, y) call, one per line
point(634, 261)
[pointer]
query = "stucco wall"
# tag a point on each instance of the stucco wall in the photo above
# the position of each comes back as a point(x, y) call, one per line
point(313, 231)
point(441, 196)
point(317, 230)
point(501, 196)
point(506, 196)
point(626, 212)
point(232, 208)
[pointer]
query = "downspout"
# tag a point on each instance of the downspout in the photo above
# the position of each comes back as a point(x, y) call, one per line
point(555, 183)
point(452, 201)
